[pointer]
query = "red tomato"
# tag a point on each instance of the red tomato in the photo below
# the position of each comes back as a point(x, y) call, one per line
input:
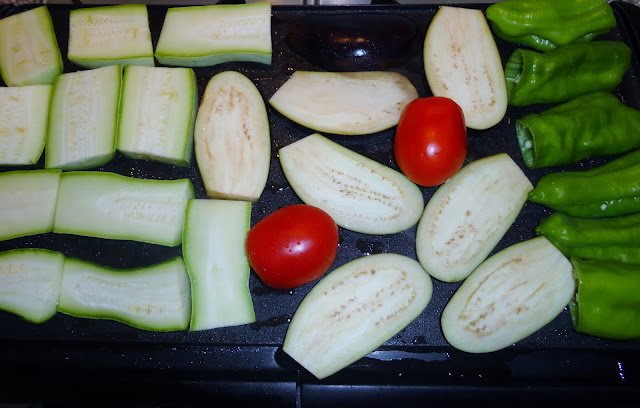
point(431, 140)
point(292, 246)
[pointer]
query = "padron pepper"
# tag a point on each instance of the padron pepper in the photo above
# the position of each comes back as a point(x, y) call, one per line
point(565, 73)
point(610, 190)
point(547, 24)
point(606, 303)
point(613, 239)
point(597, 124)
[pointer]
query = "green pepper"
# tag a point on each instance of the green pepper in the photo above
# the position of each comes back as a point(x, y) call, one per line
point(547, 24)
point(615, 238)
point(597, 124)
point(606, 303)
point(565, 73)
point(606, 191)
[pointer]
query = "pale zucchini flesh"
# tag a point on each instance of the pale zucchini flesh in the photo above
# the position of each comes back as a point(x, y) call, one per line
point(198, 36)
point(30, 281)
point(360, 194)
point(110, 35)
point(154, 298)
point(82, 119)
point(468, 215)
point(157, 114)
point(23, 123)
point(462, 63)
point(345, 103)
point(232, 138)
point(213, 248)
point(29, 53)
point(508, 297)
point(112, 206)
point(354, 310)
point(27, 202)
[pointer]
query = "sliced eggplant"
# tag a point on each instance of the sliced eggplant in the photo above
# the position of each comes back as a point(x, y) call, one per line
point(360, 194)
point(462, 62)
point(509, 297)
point(348, 103)
point(354, 310)
point(354, 41)
point(468, 215)
point(232, 138)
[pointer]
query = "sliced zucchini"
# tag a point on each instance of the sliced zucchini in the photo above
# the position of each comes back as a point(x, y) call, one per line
point(110, 35)
point(462, 62)
point(154, 298)
point(213, 247)
point(23, 123)
point(232, 138)
point(29, 53)
point(157, 114)
point(30, 280)
point(108, 205)
point(200, 36)
point(27, 202)
point(360, 194)
point(354, 310)
point(345, 103)
point(83, 116)
point(509, 297)
point(468, 215)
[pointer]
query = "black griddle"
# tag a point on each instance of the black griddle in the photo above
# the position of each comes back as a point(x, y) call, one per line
point(70, 361)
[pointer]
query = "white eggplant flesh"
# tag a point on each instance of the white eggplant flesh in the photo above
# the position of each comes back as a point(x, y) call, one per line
point(462, 62)
point(354, 310)
point(24, 111)
point(232, 138)
point(30, 280)
point(359, 193)
point(110, 35)
point(29, 52)
point(508, 297)
point(201, 36)
point(345, 103)
point(468, 215)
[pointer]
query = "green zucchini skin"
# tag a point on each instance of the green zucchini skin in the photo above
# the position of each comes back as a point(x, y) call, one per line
point(213, 248)
point(112, 206)
point(201, 36)
point(152, 298)
point(27, 202)
point(38, 60)
point(30, 281)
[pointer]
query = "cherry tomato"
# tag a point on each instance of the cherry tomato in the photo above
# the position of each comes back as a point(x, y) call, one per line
point(431, 140)
point(292, 246)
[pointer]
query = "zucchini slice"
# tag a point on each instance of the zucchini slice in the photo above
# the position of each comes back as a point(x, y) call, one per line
point(354, 310)
point(468, 215)
point(232, 138)
point(200, 36)
point(23, 123)
point(360, 194)
point(83, 116)
point(157, 114)
point(27, 202)
point(30, 280)
point(110, 35)
point(154, 298)
point(508, 297)
point(462, 62)
point(29, 53)
point(214, 251)
point(108, 205)
point(345, 103)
